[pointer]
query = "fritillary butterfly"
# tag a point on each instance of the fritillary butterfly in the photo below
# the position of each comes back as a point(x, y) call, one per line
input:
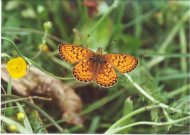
point(96, 66)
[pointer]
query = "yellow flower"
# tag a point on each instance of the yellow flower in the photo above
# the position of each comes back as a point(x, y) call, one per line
point(20, 116)
point(16, 67)
point(12, 128)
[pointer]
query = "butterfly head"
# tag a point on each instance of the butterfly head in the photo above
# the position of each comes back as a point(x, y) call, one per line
point(99, 51)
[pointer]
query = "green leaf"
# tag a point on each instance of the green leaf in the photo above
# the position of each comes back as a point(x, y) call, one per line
point(94, 125)
point(129, 44)
point(128, 106)
point(182, 104)
point(36, 123)
point(9, 112)
point(99, 37)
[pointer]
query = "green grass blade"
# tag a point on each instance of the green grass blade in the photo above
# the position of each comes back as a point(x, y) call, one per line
point(26, 121)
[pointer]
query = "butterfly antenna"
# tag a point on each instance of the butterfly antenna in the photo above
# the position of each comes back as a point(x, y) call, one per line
point(113, 42)
point(77, 34)
point(99, 51)
point(79, 37)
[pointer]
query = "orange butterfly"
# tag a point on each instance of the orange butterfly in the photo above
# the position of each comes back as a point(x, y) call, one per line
point(96, 66)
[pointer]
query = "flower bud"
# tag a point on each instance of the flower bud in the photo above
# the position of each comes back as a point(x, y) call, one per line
point(20, 116)
point(47, 25)
point(43, 47)
point(12, 128)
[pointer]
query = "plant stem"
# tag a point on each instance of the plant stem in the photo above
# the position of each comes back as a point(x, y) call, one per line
point(141, 90)
point(15, 29)
point(178, 91)
point(138, 23)
point(48, 73)
point(13, 107)
point(183, 45)
point(9, 89)
point(12, 43)
point(58, 122)
point(166, 115)
point(101, 102)
point(123, 119)
point(43, 44)
point(183, 48)
point(140, 18)
point(148, 123)
point(21, 99)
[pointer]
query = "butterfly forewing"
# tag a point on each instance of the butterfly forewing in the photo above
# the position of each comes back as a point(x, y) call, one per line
point(122, 62)
point(73, 53)
point(106, 76)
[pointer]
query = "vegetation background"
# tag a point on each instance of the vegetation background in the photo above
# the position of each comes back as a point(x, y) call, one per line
point(154, 98)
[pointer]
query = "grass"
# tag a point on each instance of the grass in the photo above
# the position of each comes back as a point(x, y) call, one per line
point(154, 95)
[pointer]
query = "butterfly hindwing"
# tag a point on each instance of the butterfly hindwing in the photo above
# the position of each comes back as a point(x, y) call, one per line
point(83, 71)
point(106, 76)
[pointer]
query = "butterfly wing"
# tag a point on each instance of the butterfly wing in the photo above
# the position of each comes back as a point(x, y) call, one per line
point(83, 71)
point(73, 53)
point(122, 62)
point(106, 75)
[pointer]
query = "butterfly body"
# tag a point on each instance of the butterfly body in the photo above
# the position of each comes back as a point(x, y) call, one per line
point(96, 66)
point(99, 59)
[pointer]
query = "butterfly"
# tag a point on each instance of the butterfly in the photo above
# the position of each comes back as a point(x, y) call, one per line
point(96, 66)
